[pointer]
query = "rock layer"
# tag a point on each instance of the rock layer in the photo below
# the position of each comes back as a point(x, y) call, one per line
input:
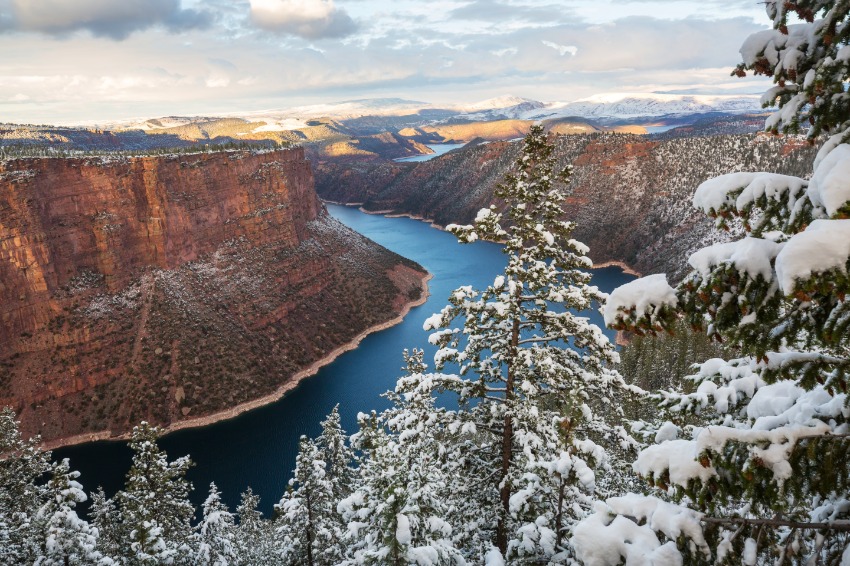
point(165, 288)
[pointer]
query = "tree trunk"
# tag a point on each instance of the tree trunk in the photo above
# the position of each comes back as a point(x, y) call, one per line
point(309, 528)
point(559, 518)
point(507, 444)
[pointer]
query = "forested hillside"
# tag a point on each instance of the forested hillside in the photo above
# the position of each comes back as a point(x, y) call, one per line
point(629, 195)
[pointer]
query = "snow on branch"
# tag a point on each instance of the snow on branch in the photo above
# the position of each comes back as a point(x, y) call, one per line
point(736, 191)
point(624, 529)
point(644, 301)
point(822, 247)
point(768, 200)
point(830, 184)
point(750, 256)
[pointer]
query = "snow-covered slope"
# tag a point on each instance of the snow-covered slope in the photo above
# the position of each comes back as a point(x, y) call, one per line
point(498, 108)
point(623, 105)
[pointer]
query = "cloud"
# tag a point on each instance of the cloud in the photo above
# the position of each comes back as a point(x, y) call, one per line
point(562, 49)
point(501, 12)
point(115, 19)
point(310, 19)
point(408, 48)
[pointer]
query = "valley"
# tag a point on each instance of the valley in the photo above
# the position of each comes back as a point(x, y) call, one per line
point(630, 195)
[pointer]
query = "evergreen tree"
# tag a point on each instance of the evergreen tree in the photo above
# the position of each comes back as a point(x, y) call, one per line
point(398, 513)
point(337, 455)
point(104, 517)
point(808, 62)
point(764, 478)
point(306, 511)
point(255, 539)
point(22, 464)
point(66, 538)
point(216, 533)
point(537, 367)
point(154, 512)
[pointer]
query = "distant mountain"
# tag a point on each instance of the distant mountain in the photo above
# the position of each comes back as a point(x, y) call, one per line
point(647, 105)
point(511, 107)
point(386, 114)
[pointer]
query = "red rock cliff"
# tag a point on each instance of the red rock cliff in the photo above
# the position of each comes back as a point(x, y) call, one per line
point(169, 287)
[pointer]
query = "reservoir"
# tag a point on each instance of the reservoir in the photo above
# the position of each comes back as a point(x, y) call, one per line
point(439, 149)
point(258, 448)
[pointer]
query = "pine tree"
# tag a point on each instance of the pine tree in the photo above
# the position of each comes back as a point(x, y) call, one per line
point(22, 464)
point(398, 513)
point(339, 458)
point(66, 538)
point(216, 532)
point(154, 512)
point(764, 478)
point(538, 367)
point(337, 455)
point(306, 509)
point(256, 541)
point(808, 63)
point(104, 517)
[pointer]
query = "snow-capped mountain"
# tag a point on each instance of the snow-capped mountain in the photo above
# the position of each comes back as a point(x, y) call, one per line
point(346, 109)
point(499, 107)
point(619, 106)
point(625, 105)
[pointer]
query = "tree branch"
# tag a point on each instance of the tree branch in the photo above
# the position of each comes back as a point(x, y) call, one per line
point(838, 526)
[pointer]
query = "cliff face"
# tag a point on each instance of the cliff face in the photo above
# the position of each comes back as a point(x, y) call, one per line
point(162, 288)
point(629, 195)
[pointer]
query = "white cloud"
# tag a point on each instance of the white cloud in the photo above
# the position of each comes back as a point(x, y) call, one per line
point(506, 51)
point(562, 49)
point(311, 19)
point(271, 53)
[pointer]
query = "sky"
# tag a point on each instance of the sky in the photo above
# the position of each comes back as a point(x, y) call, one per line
point(84, 61)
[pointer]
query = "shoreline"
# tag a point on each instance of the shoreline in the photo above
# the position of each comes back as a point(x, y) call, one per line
point(394, 214)
point(627, 269)
point(286, 387)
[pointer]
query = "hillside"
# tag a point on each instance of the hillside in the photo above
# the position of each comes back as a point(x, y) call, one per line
point(630, 195)
point(168, 288)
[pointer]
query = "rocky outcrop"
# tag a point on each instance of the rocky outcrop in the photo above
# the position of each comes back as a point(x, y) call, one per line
point(166, 288)
point(629, 195)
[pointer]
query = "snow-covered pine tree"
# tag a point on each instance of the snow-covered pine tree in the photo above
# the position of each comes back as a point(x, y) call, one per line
point(806, 54)
point(538, 370)
point(398, 513)
point(104, 517)
point(22, 493)
point(256, 540)
point(154, 511)
point(66, 538)
point(216, 533)
point(764, 477)
point(306, 514)
point(333, 444)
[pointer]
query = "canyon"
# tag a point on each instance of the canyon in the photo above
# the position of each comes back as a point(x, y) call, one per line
point(174, 287)
point(630, 195)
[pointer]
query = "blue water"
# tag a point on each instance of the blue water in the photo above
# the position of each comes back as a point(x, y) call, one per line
point(439, 149)
point(258, 448)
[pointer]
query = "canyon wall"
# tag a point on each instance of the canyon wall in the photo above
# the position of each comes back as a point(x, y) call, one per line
point(629, 195)
point(168, 288)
